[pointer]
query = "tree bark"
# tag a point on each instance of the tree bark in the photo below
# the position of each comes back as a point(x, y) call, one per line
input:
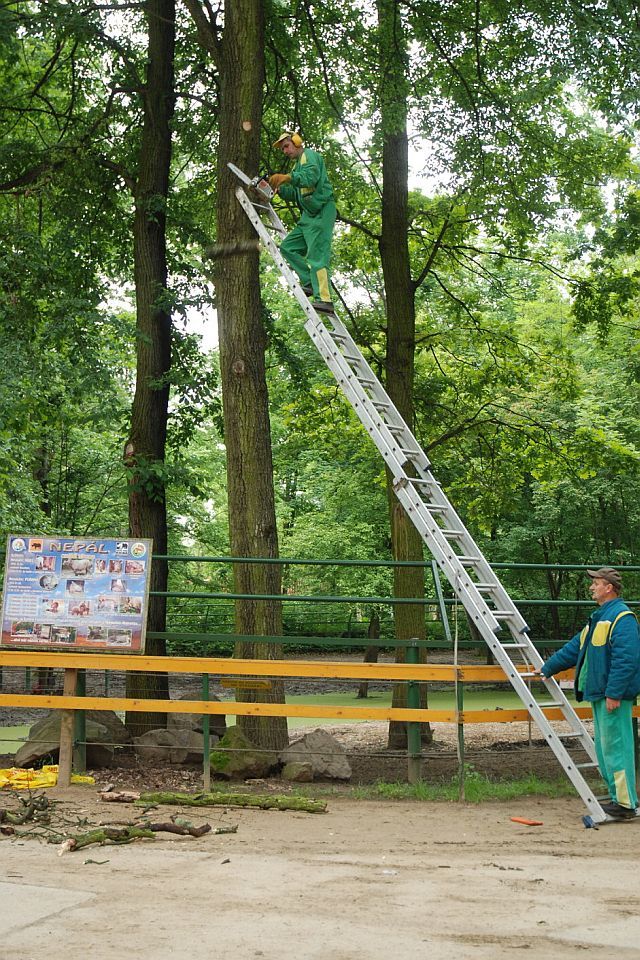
point(371, 654)
point(400, 306)
point(145, 448)
point(242, 339)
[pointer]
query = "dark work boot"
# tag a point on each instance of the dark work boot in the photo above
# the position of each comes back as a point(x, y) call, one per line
point(307, 289)
point(323, 306)
point(618, 812)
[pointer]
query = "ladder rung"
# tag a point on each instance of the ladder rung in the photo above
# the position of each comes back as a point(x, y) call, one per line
point(515, 646)
point(411, 453)
point(569, 736)
point(503, 614)
point(381, 405)
point(436, 508)
point(481, 587)
point(551, 703)
point(585, 766)
point(468, 561)
point(451, 532)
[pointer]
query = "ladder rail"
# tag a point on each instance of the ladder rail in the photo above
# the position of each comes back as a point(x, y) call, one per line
point(424, 501)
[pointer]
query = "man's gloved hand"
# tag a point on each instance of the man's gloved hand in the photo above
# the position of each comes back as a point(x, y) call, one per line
point(277, 179)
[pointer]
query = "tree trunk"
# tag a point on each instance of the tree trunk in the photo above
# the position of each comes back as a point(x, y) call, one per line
point(371, 654)
point(242, 338)
point(400, 305)
point(145, 448)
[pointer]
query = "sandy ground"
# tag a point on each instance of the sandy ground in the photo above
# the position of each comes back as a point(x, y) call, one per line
point(365, 881)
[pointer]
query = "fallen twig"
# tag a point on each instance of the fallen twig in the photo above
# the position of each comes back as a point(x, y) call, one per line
point(106, 835)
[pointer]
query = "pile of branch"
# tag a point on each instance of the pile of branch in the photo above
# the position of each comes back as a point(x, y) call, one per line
point(36, 807)
point(135, 831)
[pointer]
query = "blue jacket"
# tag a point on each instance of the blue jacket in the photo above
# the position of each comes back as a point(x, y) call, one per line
point(612, 642)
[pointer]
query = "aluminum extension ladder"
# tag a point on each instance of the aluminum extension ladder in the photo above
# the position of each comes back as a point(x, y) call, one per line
point(472, 579)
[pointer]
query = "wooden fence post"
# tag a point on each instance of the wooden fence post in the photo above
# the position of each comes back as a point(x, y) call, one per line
point(67, 717)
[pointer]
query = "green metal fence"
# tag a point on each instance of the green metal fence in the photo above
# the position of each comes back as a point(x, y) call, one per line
point(201, 617)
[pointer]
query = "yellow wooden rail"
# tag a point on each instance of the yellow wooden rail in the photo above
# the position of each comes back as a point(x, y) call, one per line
point(217, 666)
point(235, 707)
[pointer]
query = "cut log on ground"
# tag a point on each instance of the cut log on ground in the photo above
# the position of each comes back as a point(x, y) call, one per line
point(234, 800)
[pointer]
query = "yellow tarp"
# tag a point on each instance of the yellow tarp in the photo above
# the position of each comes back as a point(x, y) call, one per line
point(14, 778)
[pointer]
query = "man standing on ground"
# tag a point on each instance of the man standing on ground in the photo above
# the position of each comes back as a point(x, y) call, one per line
point(307, 248)
point(606, 655)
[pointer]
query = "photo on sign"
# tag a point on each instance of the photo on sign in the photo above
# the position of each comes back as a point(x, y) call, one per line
point(48, 581)
point(81, 609)
point(75, 587)
point(77, 566)
point(108, 604)
point(52, 606)
point(119, 638)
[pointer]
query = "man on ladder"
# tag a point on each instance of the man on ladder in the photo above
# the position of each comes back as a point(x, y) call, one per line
point(307, 248)
point(606, 655)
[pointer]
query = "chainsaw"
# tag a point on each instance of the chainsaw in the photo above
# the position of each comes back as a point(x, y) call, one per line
point(260, 183)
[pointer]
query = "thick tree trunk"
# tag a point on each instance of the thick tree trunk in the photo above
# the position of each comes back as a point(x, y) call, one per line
point(252, 522)
point(400, 306)
point(145, 448)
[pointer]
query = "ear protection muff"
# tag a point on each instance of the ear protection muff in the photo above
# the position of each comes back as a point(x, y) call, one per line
point(295, 138)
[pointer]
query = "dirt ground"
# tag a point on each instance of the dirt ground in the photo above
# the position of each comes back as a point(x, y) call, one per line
point(367, 880)
point(363, 881)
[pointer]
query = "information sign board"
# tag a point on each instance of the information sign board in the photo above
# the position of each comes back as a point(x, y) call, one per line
point(63, 593)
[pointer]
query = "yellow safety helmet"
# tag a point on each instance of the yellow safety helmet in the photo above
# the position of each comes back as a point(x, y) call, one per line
point(295, 138)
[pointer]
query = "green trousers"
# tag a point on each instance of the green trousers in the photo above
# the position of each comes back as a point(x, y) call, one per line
point(613, 736)
point(307, 250)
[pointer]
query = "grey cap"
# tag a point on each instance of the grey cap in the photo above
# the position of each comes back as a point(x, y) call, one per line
point(610, 574)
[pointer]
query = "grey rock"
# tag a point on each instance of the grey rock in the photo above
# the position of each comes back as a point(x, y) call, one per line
point(193, 721)
point(44, 742)
point(189, 745)
point(326, 756)
point(154, 745)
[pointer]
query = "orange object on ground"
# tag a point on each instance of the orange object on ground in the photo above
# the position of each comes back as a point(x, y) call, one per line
point(527, 823)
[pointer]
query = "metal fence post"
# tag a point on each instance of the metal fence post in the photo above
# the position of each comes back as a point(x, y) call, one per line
point(80, 727)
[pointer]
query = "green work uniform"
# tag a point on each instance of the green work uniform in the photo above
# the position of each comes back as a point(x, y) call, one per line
point(613, 739)
point(307, 248)
point(606, 655)
point(615, 749)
